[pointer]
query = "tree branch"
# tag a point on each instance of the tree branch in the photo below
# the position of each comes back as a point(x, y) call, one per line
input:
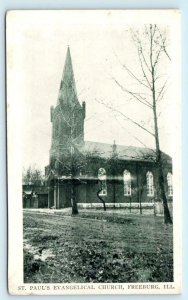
point(135, 137)
point(163, 43)
point(143, 71)
point(161, 90)
point(135, 77)
point(135, 95)
point(140, 47)
point(126, 117)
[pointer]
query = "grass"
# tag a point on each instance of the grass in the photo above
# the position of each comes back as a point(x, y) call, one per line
point(97, 246)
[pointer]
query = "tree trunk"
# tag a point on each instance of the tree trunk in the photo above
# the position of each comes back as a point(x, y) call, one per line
point(114, 189)
point(103, 202)
point(162, 194)
point(130, 204)
point(73, 197)
point(167, 217)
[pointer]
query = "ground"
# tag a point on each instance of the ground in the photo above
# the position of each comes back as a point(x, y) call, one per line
point(96, 246)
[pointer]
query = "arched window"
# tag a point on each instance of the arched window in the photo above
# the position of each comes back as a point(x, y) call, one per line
point(150, 185)
point(102, 181)
point(127, 183)
point(169, 181)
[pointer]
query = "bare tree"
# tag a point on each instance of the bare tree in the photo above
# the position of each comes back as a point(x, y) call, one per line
point(33, 176)
point(151, 44)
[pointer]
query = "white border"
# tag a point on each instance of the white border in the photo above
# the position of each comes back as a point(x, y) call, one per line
point(15, 217)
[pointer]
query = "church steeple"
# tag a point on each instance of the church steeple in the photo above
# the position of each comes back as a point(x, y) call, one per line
point(67, 93)
point(67, 117)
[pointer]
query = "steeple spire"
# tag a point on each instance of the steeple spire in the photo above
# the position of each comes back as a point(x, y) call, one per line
point(67, 93)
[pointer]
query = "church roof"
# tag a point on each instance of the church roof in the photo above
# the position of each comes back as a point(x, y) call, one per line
point(67, 92)
point(105, 151)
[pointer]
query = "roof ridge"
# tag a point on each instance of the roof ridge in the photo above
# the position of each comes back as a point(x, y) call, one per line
point(118, 145)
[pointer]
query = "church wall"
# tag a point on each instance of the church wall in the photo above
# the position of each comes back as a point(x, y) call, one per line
point(138, 172)
point(51, 194)
point(81, 193)
point(43, 201)
point(87, 192)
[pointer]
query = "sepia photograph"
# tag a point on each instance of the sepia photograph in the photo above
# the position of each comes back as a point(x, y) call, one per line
point(94, 142)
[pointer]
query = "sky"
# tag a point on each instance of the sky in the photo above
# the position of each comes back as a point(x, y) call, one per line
point(100, 43)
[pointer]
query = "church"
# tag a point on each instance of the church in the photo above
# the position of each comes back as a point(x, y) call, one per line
point(122, 176)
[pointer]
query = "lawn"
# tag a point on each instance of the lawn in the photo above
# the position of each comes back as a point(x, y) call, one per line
point(96, 246)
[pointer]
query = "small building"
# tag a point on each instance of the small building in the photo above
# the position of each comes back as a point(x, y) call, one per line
point(35, 196)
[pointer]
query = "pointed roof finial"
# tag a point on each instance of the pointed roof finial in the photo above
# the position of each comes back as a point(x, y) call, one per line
point(67, 92)
point(114, 147)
